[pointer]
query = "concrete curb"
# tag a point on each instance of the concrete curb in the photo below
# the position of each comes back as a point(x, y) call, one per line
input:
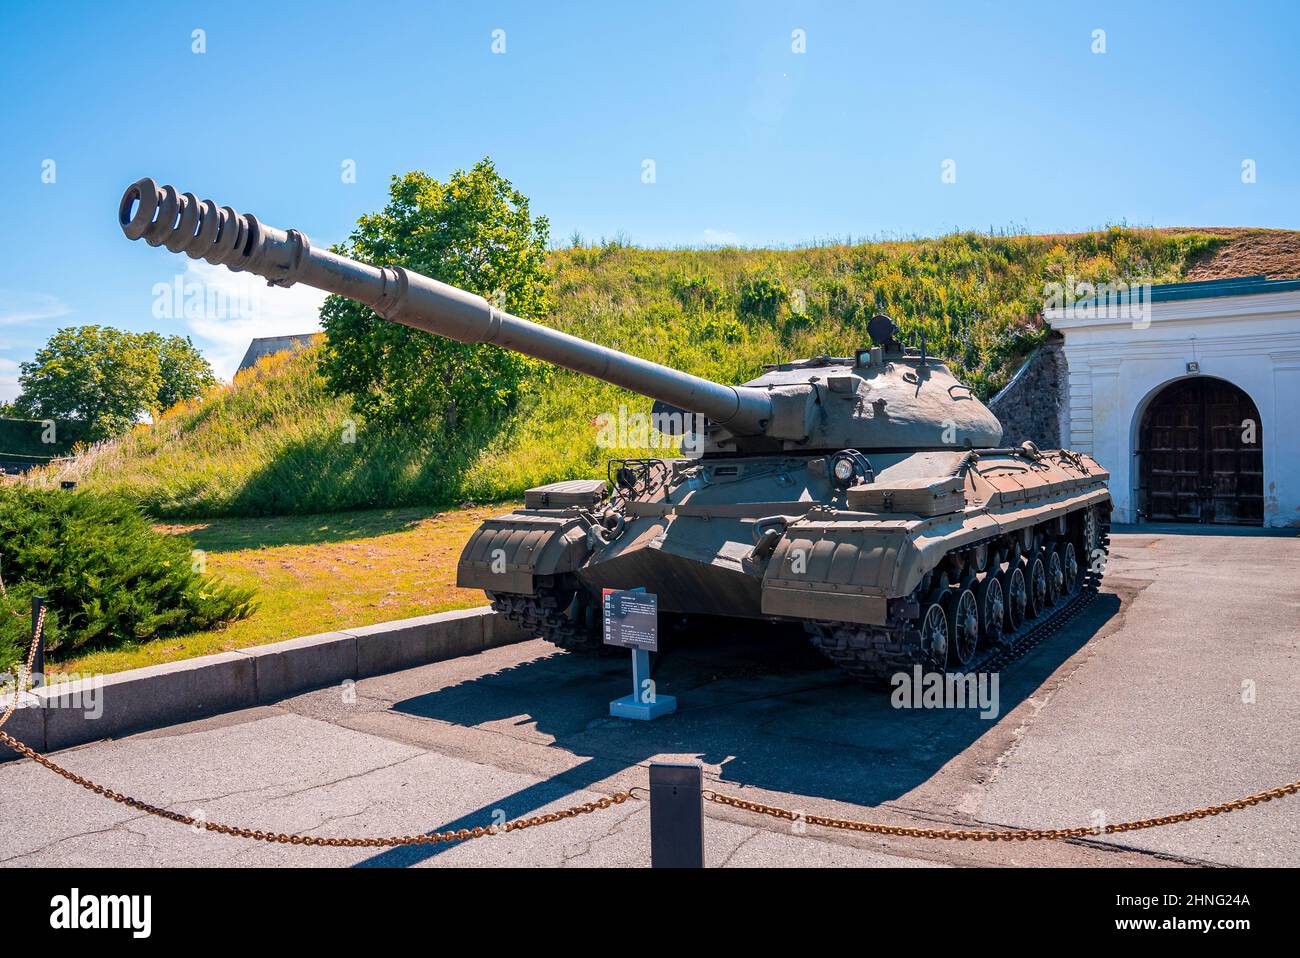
point(86, 710)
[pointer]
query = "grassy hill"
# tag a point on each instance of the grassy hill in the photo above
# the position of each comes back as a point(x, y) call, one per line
point(275, 443)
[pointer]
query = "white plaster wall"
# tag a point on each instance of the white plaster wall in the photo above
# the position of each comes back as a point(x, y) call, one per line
point(1117, 367)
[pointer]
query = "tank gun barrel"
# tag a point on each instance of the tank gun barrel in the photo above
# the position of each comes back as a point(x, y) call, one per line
point(180, 222)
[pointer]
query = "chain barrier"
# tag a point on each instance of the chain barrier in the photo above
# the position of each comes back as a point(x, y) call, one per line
point(618, 798)
point(388, 841)
point(25, 675)
point(282, 838)
point(1005, 835)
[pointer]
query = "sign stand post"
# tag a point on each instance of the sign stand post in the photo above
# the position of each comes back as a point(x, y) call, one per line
point(631, 619)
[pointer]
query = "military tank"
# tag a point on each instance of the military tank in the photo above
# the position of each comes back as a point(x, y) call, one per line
point(869, 497)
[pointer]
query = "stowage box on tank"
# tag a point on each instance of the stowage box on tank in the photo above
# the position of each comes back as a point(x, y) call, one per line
point(869, 497)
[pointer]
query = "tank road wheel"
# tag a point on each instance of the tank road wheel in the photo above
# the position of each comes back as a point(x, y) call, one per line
point(1069, 558)
point(567, 618)
point(963, 626)
point(1036, 580)
point(934, 637)
point(992, 607)
point(1016, 594)
point(1055, 577)
point(1089, 532)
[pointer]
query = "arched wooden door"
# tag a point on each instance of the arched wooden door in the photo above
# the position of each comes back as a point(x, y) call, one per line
point(1201, 455)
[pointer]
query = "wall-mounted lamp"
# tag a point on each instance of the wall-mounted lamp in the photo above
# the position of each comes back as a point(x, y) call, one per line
point(1193, 367)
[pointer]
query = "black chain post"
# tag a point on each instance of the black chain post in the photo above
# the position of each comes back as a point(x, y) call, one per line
point(38, 662)
point(676, 816)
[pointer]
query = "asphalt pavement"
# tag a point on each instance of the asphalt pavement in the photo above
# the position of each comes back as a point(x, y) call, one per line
point(1178, 686)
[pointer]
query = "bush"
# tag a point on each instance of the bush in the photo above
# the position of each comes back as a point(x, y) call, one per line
point(762, 296)
point(107, 575)
point(16, 628)
point(28, 437)
point(696, 292)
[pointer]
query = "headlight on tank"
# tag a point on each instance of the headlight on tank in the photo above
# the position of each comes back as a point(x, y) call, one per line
point(849, 467)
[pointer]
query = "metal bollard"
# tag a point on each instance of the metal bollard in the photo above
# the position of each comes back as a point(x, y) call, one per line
point(38, 663)
point(676, 816)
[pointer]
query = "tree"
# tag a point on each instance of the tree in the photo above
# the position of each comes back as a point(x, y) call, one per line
point(185, 373)
point(475, 232)
point(101, 376)
point(109, 379)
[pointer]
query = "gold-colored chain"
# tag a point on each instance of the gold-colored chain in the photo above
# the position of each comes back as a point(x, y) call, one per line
point(25, 675)
point(1004, 835)
point(282, 838)
point(618, 798)
point(388, 841)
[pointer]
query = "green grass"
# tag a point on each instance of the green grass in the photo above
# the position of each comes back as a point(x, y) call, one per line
point(314, 574)
point(275, 442)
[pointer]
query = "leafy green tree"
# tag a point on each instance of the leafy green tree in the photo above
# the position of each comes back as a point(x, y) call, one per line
point(185, 373)
point(101, 376)
point(109, 379)
point(473, 231)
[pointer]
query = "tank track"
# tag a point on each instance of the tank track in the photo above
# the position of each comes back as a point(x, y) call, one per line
point(873, 654)
point(545, 615)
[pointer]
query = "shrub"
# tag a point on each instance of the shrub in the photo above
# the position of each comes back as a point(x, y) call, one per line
point(696, 292)
point(475, 232)
point(761, 297)
point(16, 628)
point(108, 575)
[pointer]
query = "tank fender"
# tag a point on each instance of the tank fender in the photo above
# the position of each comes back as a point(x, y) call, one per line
point(507, 553)
point(825, 568)
point(935, 540)
point(846, 569)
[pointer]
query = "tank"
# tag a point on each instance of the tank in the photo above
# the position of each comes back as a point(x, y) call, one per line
point(870, 497)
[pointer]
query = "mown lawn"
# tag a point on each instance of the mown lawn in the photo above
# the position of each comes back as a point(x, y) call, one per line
point(316, 574)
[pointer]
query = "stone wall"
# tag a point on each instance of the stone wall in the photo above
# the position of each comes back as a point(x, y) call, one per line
point(1031, 404)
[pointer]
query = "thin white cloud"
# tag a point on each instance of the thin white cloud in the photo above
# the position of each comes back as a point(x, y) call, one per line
point(17, 308)
point(714, 237)
point(8, 379)
point(225, 311)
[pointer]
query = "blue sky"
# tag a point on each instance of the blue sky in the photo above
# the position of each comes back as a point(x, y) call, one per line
point(751, 142)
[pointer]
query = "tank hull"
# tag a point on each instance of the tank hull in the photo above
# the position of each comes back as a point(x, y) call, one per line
point(775, 538)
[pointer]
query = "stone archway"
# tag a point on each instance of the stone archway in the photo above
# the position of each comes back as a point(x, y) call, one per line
point(1201, 455)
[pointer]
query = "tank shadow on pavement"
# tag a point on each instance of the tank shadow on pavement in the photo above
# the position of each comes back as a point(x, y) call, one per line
point(757, 705)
